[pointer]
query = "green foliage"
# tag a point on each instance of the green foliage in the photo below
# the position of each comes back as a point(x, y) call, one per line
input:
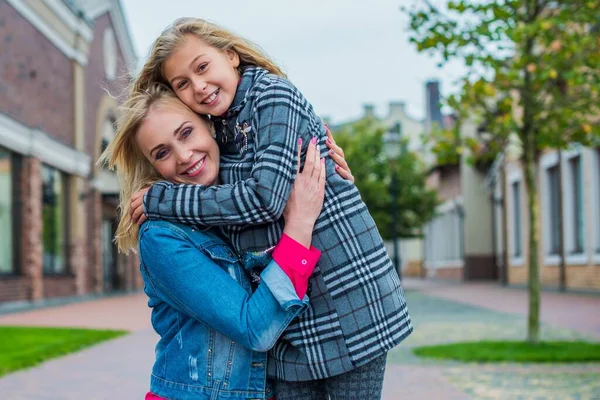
point(544, 352)
point(363, 147)
point(23, 347)
point(533, 70)
point(539, 57)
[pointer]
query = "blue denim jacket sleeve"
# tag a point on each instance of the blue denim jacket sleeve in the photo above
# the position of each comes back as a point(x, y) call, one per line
point(191, 282)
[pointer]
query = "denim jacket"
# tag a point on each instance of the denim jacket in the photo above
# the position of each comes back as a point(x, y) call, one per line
point(214, 331)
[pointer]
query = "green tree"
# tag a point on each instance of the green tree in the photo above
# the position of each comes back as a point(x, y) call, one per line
point(533, 72)
point(363, 147)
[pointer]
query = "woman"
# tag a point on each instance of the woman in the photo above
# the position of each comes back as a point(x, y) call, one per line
point(214, 328)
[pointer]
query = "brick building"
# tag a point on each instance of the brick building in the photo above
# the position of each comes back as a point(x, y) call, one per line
point(569, 224)
point(59, 60)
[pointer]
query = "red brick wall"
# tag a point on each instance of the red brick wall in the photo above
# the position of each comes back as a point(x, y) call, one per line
point(36, 89)
point(414, 269)
point(59, 286)
point(586, 277)
point(36, 78)
point(13, 289)
point(450, 273)
point(31, 260)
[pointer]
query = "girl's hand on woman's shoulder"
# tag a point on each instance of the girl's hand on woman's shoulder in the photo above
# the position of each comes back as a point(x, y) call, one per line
point(137, 207)
point(337, 154)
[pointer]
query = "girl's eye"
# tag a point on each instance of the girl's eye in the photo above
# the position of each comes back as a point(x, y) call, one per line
point(202, 67)
point(181, 84)
point(161, 154)
point(186, 132)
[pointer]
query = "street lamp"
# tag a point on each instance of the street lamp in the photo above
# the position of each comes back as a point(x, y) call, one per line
point(392, 147)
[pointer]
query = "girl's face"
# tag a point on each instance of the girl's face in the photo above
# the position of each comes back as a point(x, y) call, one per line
point(203, 77)
point(179, 144)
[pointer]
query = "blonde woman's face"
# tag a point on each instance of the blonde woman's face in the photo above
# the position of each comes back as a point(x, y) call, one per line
point(179, 144)
point(203, 77)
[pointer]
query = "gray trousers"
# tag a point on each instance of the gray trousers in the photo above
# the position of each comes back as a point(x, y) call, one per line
point(362, 383)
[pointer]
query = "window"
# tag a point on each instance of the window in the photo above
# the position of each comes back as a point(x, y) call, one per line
point(517, 224)
point(398, 128)
point(54, 221)
point(6, 213)
point(554, 211)
point(576, 205)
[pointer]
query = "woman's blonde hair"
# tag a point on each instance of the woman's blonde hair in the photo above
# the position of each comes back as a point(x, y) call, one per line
point(213, 35)
point(134, 171)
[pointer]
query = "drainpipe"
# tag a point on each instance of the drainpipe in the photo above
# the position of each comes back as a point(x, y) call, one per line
point(562, 279)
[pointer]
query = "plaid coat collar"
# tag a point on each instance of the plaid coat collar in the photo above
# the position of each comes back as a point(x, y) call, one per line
point(249, 77)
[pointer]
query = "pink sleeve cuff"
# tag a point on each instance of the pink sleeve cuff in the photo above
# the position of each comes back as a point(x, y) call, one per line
point(296, 261)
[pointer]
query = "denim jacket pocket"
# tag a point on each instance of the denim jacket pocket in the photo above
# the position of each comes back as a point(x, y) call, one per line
point(221, 252)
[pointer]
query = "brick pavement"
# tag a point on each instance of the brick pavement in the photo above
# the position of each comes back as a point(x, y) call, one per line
point(119, 369)
point(580, 312)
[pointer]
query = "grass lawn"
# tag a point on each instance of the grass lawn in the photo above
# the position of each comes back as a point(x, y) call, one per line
point(506, 351)
point(22, 347)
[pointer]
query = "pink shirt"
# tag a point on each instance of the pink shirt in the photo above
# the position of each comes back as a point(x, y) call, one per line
point(296, 261)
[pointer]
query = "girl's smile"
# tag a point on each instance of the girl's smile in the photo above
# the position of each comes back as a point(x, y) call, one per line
point(203, 77)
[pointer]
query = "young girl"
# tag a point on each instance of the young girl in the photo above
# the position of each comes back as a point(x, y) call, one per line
point(213, 330)
point(358, 310)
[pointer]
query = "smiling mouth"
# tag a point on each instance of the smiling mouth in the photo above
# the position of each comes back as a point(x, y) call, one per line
point(212, 97)
point(196, 168)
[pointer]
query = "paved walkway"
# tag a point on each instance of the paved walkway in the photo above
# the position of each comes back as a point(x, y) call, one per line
point(442, 312)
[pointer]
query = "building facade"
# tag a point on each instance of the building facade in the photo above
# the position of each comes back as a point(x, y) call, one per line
point(458, 243)
point(569, 224)
point(62, 62)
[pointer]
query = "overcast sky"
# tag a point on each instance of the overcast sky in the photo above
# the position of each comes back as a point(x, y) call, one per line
point(340, 53)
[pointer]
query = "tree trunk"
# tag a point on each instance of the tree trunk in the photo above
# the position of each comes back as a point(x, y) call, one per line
point(533, 326)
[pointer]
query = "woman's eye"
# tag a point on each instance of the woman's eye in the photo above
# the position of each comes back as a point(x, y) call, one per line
point(161, 154)
point(186, 132)
point(202, 67)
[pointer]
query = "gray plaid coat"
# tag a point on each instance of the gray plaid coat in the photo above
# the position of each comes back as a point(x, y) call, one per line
point(357, 307)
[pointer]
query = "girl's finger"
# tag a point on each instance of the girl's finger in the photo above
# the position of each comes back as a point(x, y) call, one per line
point(309, 161)
point(299, 155)
point(137, 214)
point(317, 166)
point(137, 203)
point(323, 174)
point(344, 173)
point(329, 134)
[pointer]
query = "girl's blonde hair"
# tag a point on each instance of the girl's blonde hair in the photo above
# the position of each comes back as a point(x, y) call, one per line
point(134, 171)
point(213, 35)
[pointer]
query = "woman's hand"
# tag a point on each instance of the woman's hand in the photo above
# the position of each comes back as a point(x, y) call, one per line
point(337, 154)
point(306, 199)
